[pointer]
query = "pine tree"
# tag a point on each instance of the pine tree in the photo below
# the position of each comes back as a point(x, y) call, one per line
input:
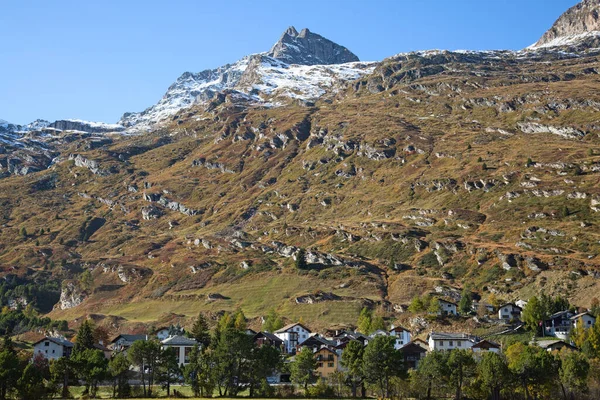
point(301, 259)
point(85, 337)
point(200, 331)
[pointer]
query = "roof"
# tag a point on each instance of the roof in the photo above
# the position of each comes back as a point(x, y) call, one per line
point(558, 314)
point(486, 344)
point(548, 344)
point(399, 329)
point(178, 340)
point(130, 338)
point(415, 346)
point(450, 336)
point(290, 326)
point(59, 341)
point(448, 301)
point(576, 317)
point(269, 336)
point(512, 305)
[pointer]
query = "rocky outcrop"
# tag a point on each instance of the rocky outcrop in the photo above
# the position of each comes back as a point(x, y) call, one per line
point(308, 48)
point(172, 205)
point(92, 165)
point(578, 27)
point(85, 126)
point(70, 296)
point(565, 131)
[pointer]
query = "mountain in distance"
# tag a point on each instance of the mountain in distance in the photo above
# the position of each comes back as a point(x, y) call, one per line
point(578, 27)
point(299, 66)
point(423, 173)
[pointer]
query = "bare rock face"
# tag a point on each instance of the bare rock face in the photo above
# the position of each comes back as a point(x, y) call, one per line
point(578, 27)
point(70, 296)
point(307, 48)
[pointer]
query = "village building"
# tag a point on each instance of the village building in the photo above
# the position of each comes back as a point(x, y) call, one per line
point(122, 342)
point(327, 361)
point(447, 307)
point(586, 320)
point(553, 345)
point(450, 341)
point(53, 348)
point(558, 324)
point(268, 339)
point(292, 335)
point(413, 353)
point(402, 336)
point(183, 347)
point(509, 311)
point(486, 346)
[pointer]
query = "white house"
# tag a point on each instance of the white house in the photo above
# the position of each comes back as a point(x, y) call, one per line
point(447, 307)
point(53, 348)
point(450, 341)
point(402, 336)
point(586, 319)
point(182, 345)
point(292, 335)
point(509, 311)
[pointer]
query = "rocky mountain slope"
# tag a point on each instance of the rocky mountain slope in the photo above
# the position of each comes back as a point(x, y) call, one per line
point(578, 27)
point(425, 172)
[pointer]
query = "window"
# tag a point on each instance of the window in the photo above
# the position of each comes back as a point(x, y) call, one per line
point(459, 343)
point(330, 365)
point(450, 343)
point(320, 365)
point(441, 343)
point(46, 344)
point(53, 351)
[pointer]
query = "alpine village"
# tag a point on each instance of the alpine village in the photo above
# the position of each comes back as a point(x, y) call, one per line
point(302, 224)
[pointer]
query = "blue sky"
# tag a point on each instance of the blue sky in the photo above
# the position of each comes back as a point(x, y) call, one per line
point(96, 59)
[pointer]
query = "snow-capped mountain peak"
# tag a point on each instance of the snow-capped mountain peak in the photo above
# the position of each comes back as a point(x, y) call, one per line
point(299, 66)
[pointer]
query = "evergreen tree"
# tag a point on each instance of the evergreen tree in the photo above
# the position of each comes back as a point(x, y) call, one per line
point(573, 373)
point(60, 371)
point(10, 369)
point(168, 369)
point(118, 368)
point(200, 331)
point(85, 337)
point(364, 321)
point(382, 362)
point(272, 321)
point(31, 383)
point(91, 367)
point(464, 305)
point(352, 361)
point(494, 374)
point(301, 259)
point(462, 366)
point(303, 368)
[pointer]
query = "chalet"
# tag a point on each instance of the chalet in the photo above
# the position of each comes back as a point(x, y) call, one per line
point(586, 320)
point(182, 345)
point(450, 341)
point(413, 353)
point(402, 336)
point(447, 307)
point(509, 311)
point(552, 345)
point(344, 337)
point(124, 341)
point(486, 346)
point(53, 348)
point(292, 335)
point(316, 341)
point(327, 361)
point(268, 339)
point(558, 324)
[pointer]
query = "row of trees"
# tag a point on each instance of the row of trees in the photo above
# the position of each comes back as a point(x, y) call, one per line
point(524, 372)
